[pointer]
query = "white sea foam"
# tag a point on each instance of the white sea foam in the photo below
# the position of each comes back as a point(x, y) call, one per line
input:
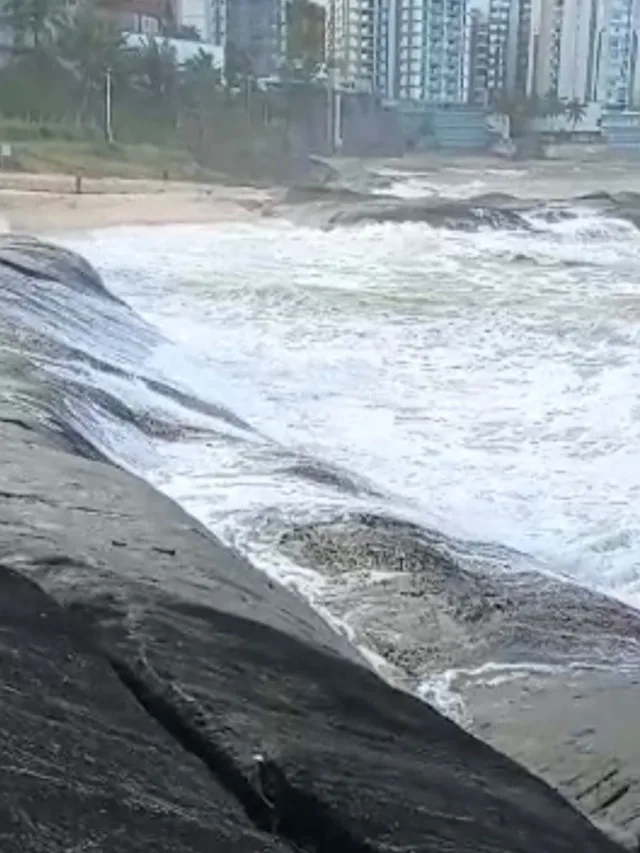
point(445, 689)
point(491, 399)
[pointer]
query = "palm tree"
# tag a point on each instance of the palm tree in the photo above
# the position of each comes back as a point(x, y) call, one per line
point(93, 47)
point(200, 67)
point(238, 67)
point(35, 22)
point(575, 111)
point(200, 81)
point(155, 65)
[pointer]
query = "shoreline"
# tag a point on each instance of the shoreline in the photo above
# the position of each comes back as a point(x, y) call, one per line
point(48, 204)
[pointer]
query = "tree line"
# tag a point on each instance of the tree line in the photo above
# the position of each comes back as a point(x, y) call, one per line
point(64, 60)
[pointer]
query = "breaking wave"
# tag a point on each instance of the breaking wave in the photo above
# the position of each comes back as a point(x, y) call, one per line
point(422, 602)
point(497, 211)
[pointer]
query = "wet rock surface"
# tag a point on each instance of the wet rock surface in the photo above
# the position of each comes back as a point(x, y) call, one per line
point(334, 207)
point(546, 671)
point(455, 609)
point(576, 728)
point(161, 694)
point(83, 766)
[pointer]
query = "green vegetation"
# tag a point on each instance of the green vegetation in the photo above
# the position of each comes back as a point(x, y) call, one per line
point(522, 110)
point(53, 97)
point(97, 159)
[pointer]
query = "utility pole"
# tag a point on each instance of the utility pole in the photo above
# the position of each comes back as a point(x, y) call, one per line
point(247, 97)
point(108, 107)
point(330, 62)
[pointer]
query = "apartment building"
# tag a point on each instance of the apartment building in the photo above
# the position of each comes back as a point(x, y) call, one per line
point(478, 56)
point(549, 22)
point(195, 14)
point(587, 50)
point(498, 27)
point(355, 42)
point(580, 48)
point(255, 31)
point(251, 30)
point(217, 21)
point(510, 46)
point(521, 44)
point(422, 50)
point(617, 73)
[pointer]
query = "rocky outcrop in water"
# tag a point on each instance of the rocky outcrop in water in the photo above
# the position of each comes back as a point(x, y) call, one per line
point(543, 669)
point(337, 207)
point(159, 693)
point(334, 208)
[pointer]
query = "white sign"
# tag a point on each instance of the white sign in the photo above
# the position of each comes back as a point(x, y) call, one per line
point(5, 150)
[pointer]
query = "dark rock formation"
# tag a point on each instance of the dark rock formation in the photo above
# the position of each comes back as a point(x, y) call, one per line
point(334, 206)
point(158, 693)
point(547, 671)
point(83, 766)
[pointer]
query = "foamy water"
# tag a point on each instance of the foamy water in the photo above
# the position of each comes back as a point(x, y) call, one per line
point(482, 383)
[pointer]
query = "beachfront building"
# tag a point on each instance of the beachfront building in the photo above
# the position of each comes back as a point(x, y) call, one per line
point(254, 31)
point(547, 25)
point(617, 79)
point(477, 49)
point(422, 50)
point(497, 42)
point(193, 14)
point(250, 31)
point(580, 45)
point(352, 42)
point(521, 42)
point(587, 50)
point(217, 22)
point(510, 46)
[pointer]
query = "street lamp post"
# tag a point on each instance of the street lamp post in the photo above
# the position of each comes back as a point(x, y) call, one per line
point(330, 110)
point(108, 106)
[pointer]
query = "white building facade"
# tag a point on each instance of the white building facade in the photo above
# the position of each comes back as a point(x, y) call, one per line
point(510, 46)
point(580, 47)
point(477, 44)
point(587, 50)
point(422, 50)
point(217, 21)
point(351, 42)
point(617, 78)
point(194, 13)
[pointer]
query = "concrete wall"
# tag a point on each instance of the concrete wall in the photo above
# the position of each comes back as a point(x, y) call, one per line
point(309, 124)
point(591, 123)
point(447, 127)
point(369, 128)
point(365, 126)
point(622, 131)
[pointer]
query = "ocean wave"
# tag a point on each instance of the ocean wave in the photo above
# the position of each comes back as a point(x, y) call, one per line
point(420, 601)
point(333, 208)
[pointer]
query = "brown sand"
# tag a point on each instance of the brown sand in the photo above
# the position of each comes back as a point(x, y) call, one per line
point(49, 203)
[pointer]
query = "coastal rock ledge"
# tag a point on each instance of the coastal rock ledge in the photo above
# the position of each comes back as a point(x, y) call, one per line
point(159, 694)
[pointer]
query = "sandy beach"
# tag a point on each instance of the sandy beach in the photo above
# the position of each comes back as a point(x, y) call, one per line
point(49, 203)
